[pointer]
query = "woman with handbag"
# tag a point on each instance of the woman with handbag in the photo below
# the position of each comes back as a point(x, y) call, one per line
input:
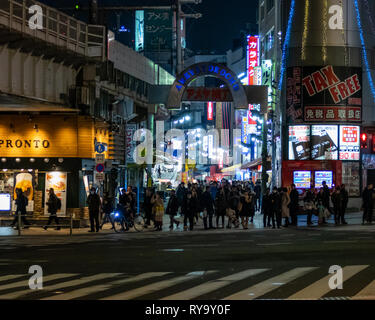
point(309, 205)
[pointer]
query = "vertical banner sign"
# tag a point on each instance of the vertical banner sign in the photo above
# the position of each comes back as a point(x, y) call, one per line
point(294, 110)
point(267, 79)
point(210, 111)
point(130, 145)
point(252, 58)
point(139, 30)
point(56, 180)
point(158, 30)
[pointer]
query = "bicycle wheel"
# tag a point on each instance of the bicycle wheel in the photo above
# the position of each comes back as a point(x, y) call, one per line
point(138, 223)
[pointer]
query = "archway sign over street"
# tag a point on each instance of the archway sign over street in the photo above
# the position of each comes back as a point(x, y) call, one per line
point(242, 95)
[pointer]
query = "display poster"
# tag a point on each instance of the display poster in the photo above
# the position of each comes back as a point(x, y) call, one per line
point(294, 110)
point(130, 144)
point(299, 142)
point(350, 177)
point(56, 180)
point(324, 142)
point(302, 179)
point(5, 202)
point(349, 143)
point(321, 176)
point(26, 182)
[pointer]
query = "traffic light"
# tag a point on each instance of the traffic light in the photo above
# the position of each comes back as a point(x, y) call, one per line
point(364, 140)
point(77, 5)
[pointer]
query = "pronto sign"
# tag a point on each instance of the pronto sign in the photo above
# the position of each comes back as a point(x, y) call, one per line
point(207, 69)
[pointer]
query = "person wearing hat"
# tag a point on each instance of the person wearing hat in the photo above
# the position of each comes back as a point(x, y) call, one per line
point(94, 203)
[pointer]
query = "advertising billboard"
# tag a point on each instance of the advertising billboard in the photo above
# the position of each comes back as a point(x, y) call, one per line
point(139, 30)
point(349, 143)
point(299, 142)
point(321, 176)
point(158, 27)
point(324, 142)
point(324, 94)
point(302, 179)
point(252, 58)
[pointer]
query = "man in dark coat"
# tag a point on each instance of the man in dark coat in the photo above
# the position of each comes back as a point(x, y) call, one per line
point(94, 203)
point(337, 201)
point(21, 204)
point(188, 208)
point(207, 204)
point(266, 209)
point(344, 203)
point(172, 209)
point(148, 207)
point(367, 203)
point(54, 204)
point(325, 200)
point(257, 190)
point(293, 206)
point(276, 208)
point(181, 193)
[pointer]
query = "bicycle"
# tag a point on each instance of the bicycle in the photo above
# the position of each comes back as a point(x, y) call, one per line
point(123, 222)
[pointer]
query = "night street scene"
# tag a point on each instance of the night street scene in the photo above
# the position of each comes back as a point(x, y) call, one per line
point(183, 157)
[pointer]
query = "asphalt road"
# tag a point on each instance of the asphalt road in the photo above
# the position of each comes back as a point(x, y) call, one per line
point(290, 263)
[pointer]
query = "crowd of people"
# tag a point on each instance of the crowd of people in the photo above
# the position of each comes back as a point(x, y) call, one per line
point(218, 204)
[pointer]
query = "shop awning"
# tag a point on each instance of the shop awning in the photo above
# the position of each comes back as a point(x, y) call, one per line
point(255, 163)
point(10, 103)
point(231, 169)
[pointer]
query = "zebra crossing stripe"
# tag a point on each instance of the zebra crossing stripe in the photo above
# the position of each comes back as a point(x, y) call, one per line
point(269, 285)
point(103, 287)
point(25, 284)
point(154, 287)
point(367, 293)
point(213, 285)
point(319, 288)
point(11, 277)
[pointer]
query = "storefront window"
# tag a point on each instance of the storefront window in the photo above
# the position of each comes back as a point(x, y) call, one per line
point(350, 177)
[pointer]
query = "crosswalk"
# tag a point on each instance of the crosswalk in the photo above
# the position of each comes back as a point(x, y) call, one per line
point(298, 283)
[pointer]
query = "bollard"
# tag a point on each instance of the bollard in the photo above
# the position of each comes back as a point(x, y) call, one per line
point(71, 223)
point(19, 223)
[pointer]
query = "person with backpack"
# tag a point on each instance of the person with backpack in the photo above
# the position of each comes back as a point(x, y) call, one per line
point(54, 205)
point(94, 203)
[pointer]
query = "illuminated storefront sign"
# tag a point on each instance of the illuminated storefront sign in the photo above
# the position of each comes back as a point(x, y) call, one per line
point(210, 111)
point(349, 143)
point(267, 78)
point(252, 58)
point(324, 141)
point(139, 30)
point(302, 179)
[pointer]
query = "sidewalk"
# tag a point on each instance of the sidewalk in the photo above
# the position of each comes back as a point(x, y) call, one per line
point(353, 219)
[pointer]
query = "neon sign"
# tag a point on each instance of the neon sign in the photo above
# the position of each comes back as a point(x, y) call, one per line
point(252, 58)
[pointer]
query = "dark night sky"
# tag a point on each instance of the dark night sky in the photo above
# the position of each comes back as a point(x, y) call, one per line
point(222, 20)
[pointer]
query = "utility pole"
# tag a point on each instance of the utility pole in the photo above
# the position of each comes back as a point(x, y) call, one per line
point(93, 11)
point(179, 16)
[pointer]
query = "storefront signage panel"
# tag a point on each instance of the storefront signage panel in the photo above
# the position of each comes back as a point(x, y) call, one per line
point(302, 179)
point(321, 176)
point(324, 93)
point(56, 180)
point(324, 142)
point(252, 58)
point(299, 142)
point(349, 143)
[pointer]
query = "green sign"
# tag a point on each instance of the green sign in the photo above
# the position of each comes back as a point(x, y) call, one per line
point(158, 28)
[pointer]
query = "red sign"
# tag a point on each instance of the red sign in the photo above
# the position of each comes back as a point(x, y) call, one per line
point(207, 94)
point(252, 58)
point(210, 111)
point(352, 114)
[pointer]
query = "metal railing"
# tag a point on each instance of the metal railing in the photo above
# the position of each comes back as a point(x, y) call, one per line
point(58, 28)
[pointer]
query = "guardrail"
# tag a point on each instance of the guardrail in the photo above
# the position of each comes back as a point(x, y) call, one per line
point(58, 28)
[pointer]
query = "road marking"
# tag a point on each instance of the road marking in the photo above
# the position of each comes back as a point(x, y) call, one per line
point(319, 288)
point(340, 241)
point(268, 285)
point(152, 287)
point(273, 244)
point(367, 293)
point(25, 283)
point(11, 277)
point(213, 285)
point(103, 287)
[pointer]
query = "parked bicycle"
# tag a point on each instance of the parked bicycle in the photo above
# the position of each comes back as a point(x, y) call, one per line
point(123, 220)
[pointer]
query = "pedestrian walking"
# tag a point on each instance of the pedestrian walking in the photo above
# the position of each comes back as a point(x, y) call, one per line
point(21, 205)
point(344, 203)
point(266, 209)
point(309, 205)
point(158, 208)
point(367, 203)
point(257, 190)
point(172, 209)
point(54, 205)
point(207, 204)
point(107, 208)
point(221, 205)
point(336, 199)
point(188, 208)
point(94, 203)
point(294, 205)
point(244, 208)
point(147, 205)
point(276, 208)
point(285, 201)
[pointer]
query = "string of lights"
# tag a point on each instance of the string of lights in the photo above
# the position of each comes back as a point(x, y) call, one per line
point(305, 29)
point(325, 26)
point(286, 43)
point(365, 59)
